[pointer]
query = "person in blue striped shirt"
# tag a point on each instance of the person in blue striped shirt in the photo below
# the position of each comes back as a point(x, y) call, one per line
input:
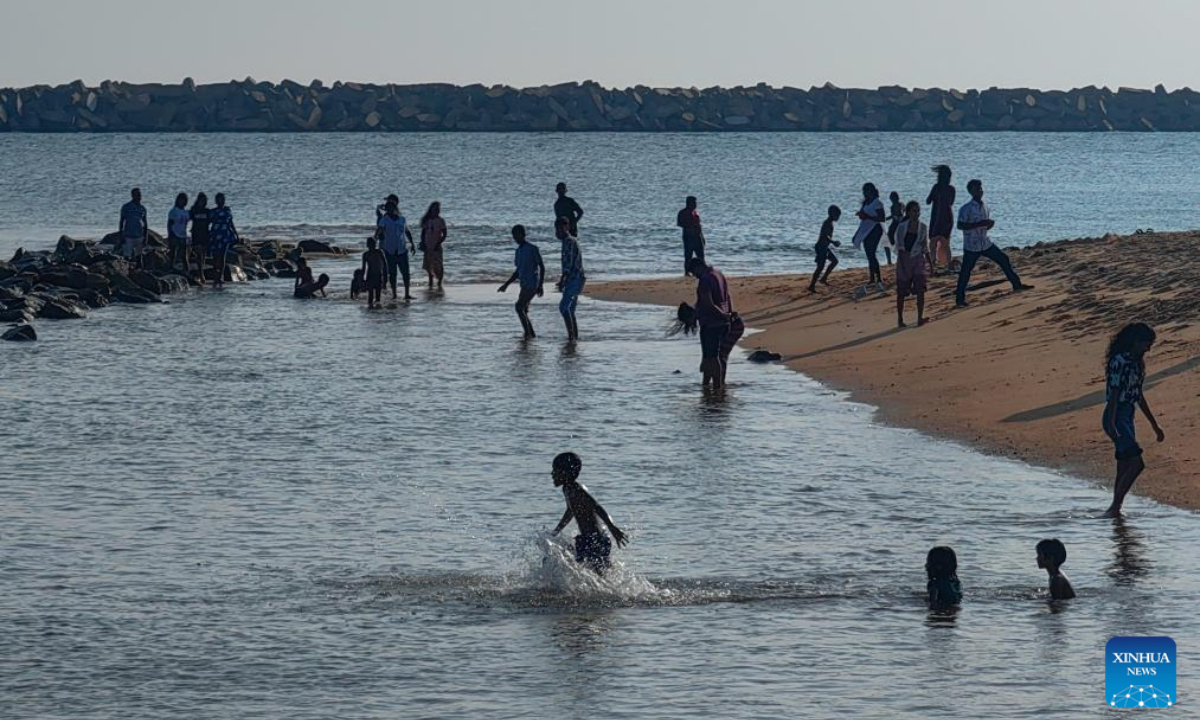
point(573, 278)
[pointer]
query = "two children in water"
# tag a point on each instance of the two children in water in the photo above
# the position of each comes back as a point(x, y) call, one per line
point(945, 590)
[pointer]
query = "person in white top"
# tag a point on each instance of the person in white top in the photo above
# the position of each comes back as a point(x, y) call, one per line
point(870, 231)
point(975, 220)
point(392, 231)
point(177, 233)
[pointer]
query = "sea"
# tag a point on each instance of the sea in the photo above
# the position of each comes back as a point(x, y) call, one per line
point(241, 505)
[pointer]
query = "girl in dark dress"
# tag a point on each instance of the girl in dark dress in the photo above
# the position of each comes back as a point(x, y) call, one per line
point(200, 223)
point(941, 217)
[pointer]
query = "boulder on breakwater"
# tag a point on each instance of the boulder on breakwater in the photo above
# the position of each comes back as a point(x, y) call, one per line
point(288, 106)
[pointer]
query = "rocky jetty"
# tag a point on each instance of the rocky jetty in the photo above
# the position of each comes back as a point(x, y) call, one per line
point(250, 106)
point(81, 275)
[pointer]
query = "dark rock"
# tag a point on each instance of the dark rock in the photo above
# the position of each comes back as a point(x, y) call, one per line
point(173, 283)
point(147, 281)
point(317, 247)
point(72, 276)
point(61, 308)
point(17, 315)
point(21, 333)
point(764, 356)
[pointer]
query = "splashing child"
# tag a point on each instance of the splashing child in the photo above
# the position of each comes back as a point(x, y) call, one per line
point(592, 546)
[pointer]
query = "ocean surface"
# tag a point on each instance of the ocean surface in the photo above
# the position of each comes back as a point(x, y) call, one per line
point(239, 505)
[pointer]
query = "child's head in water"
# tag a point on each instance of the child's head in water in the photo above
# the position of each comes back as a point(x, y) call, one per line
point(941, 563)
point(1051, 554)
point(685, 321)
point(566, 468)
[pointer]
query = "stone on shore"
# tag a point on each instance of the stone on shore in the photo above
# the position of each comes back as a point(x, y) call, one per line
point(21, 333)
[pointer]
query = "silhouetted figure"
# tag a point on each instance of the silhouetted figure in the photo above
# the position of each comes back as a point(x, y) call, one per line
point(1125, 375)
point(693, 233)
point(944, 588)
point(531, 273)
point(826, 260)
point(222, 236)
point(565, 206)
point(592, 546)
point(374, 269)
point(433, 240)
point(177, 233)
point(133, 227)
point(870, 231)
point(941, 216)
point(913, 262)
point(199, 215)
point(395, 240)
point(570, 284)
point(1051, 554)
point(975, 220)
point(306, 286)
point(714, 313)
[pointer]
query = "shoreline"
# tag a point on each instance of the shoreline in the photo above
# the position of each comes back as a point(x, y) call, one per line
point(1016, 375)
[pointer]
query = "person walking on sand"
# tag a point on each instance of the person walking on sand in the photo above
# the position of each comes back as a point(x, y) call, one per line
point(531, 272)
point(714, 310)
point(913, 262)
point(824, 254)
point(177, 233)
point(1125, 375)
point(433, 240)
point(392, 231)
point(592, 546)
point(870, 230)
point(573, 278)
point(565, 206)
point(895, 215)
point(133, 228)
point(223, 235)
point(975, 220)
point(693, 233)
point(941, 217)
point(200, 232)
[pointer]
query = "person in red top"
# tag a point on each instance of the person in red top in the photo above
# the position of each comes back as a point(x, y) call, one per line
point(714, 312)
point(693, 234)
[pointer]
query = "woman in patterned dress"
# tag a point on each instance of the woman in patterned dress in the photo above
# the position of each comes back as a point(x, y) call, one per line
point(222, 235)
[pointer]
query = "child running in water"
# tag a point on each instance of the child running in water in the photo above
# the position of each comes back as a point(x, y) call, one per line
point(374, 268)
point(941, 565)
point(1051, 554)
point(592, 546)
point(824, 254)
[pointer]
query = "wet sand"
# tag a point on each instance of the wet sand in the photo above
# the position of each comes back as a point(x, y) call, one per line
point(1018, 374)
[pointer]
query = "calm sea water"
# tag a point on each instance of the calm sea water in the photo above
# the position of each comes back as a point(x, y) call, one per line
point(239, 505)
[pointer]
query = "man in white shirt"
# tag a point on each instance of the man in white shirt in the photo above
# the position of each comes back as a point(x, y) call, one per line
point(392, 231)
point(975, 220)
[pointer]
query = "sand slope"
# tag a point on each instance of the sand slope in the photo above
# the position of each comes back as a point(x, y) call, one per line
point(1018, 374)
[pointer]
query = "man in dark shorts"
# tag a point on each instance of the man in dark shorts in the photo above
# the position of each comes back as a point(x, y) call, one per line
point(565, 206)
point(713, 313)
point(592, 546)
point(693, 233)
point(531, 272)
point(133, 227)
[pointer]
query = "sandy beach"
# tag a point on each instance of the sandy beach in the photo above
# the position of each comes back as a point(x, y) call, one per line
point(1020, 375)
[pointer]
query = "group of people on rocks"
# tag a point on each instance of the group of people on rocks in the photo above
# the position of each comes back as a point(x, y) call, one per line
point(921, 250)
point(195, 233)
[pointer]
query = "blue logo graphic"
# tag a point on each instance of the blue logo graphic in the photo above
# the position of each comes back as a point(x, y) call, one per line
point(1139, 672)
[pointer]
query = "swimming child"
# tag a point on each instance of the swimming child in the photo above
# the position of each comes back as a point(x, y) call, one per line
point(592, 546)
point(824, 254)
point(1051, 554)
point(941, 565)
point(374, 268)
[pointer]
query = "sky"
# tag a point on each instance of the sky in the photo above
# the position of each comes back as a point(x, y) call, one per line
point(662, 43)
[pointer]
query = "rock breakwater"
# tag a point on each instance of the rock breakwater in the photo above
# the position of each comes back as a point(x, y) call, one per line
point(250, 106)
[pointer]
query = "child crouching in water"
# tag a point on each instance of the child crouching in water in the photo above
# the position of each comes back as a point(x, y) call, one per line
point(592, 546)
point(941, 565)
point(1051, 554)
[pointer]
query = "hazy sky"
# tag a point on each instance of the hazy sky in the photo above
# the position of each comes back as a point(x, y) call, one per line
point(923, 43)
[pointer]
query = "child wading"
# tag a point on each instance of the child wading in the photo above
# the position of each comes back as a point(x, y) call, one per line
point(374, 268)
point(1126, 373)
point(941, 565)
point(592, 546)
point(1051, 554)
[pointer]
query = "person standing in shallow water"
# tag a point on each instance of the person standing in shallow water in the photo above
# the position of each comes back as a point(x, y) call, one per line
point(433, 239)
point(944, 588)
point(870, 231)
point(133, 227)
point(570, 284)
point(974, 219)
point(200, 232)
point(565, 206)
point(177, 233)
point(913, 263)
point(941, 217)
point(693, 233)
point(222, 236)
point(1125, 375)
point(592, 546)
point(392, 231)
point(531, 272)
point(714, 313)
